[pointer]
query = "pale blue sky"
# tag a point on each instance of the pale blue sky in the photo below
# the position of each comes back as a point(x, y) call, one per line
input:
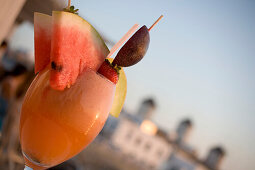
point(200, 64)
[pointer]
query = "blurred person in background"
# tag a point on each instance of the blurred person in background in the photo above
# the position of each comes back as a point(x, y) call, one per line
point(3, 102)
point(3, 48)
point(14, 84)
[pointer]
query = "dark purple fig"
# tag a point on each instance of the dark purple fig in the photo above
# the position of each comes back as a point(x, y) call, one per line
point(134, 49)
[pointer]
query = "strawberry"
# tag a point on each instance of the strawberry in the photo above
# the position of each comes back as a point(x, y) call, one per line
point(110, 71)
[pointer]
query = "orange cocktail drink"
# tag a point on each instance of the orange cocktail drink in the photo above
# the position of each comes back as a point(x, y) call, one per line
point(56, 125)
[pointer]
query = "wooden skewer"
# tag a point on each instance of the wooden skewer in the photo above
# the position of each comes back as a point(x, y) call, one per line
point(69, 4)
point(123, 39)
point(155, 22)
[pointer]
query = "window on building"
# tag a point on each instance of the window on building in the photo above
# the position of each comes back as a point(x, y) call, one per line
point(142, 162)
point(152, 167)
point(138, 140)
point(175, 168)
point(159, 152)
point(129, 134)
point(147, 146)
point(131, 155)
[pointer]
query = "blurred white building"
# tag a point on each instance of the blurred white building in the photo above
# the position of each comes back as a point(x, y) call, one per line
point(142, 141)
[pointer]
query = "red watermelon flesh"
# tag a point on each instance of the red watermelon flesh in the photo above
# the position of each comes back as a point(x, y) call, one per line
point(42, 40)
point(75, 46)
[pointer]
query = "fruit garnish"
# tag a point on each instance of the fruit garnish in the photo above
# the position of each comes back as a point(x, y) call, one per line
point(73, 42)
point(71, 9)
point(121, 86)
point(109, 71)
point(116, 75)
point(120, 93)
point(69, 44)
point(135, 48)
point(42, 40)
point(75, 45)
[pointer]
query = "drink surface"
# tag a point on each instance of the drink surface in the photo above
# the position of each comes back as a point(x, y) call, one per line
point(56, 125)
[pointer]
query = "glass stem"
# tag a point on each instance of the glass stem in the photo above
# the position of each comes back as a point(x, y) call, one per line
point(27, 168)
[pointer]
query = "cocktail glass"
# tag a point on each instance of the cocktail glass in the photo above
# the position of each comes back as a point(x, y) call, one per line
point(56, 125)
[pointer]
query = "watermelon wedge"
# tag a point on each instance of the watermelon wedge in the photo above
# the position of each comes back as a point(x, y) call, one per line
point(42, 40)
point(75, 46)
